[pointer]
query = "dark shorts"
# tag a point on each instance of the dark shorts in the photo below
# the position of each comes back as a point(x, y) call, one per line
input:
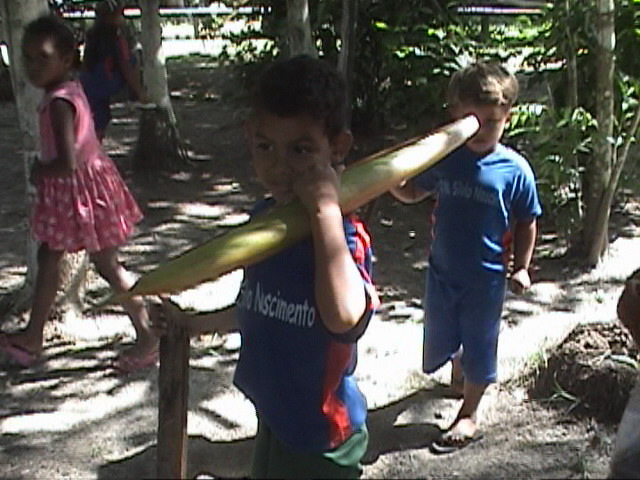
point(101, 112)
point(467, 316)
point(274, 459)
point(99, 86)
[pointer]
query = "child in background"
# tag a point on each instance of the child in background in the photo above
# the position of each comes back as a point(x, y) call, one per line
point(301, 311)
point(108, 65)
point(486, 195)
point(81, 202)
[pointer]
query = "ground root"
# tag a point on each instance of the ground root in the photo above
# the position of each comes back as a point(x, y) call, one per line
point(590, 373)
point(159, 143)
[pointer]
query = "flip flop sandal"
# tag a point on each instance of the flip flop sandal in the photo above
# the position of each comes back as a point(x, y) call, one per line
point(128, 364)
point(17, 355)
point(448, 444)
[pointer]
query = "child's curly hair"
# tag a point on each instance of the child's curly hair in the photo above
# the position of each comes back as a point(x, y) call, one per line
point(49, 25)
point(303, 85)
point(483, 83)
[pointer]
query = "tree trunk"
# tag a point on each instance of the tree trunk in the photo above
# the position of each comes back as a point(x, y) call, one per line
point(596, 219)
point(15, 15)
point(346, 59)
point(159, 143)
point(299, 29)
point(572, 62)
point(572, 87)
point(6, 90)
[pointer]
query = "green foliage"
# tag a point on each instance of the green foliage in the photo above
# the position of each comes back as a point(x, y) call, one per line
point(554, 141)
point(401, 72)
point(558, 138)
point(405, 53)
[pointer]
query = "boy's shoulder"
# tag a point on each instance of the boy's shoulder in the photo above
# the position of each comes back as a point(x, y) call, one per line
point(509, 152)
point(518, 160)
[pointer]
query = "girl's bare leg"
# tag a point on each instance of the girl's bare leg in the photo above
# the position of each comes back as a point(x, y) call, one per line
point(107, 264)
point(31, 338)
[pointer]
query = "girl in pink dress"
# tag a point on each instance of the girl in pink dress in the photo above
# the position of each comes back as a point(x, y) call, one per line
point(82, 202)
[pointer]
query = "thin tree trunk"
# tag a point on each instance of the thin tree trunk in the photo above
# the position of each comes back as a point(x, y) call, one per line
point(618, 164)
point(299, 29)
point(596, 220)
point(346, 59)
point(572, 62)
point(6, 90)
point(572, 88)
point(159, 143)
point(15, 15)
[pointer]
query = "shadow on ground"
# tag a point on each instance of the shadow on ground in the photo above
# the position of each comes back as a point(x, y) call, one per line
point(232, 459)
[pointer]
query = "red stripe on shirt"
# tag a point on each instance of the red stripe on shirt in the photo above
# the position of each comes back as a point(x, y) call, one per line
point(363, 246)
point(363, 241)
point(334, 409)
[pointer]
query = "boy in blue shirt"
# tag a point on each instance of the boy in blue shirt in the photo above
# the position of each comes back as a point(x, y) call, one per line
point(486, 197)
point(108, 65)
point(301, 311)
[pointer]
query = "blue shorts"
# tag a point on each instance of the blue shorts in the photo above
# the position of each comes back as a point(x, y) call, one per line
point(99, 86)
point(467, 316)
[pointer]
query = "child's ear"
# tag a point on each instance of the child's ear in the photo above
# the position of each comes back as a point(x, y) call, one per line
point(340, 146)
point(69, 59)
point(454, 111)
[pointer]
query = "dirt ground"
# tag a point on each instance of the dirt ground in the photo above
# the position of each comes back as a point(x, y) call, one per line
point(71, 417)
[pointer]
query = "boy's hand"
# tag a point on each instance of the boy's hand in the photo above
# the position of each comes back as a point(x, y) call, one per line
point(520, 281)
point(317, 184)
point(160, 314)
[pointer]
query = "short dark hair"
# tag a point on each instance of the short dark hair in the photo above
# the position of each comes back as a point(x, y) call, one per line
point(107, 7)
point(483, 83)
point(51, 26)
point(303, 85)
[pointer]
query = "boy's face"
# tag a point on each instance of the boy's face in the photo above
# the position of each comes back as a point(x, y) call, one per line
point(282, 148)
point(493, 120)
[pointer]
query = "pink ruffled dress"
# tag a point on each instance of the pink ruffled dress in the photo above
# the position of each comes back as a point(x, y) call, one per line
point(92, 209)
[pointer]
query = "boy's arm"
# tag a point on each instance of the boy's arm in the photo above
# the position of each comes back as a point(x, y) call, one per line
point(220, 321)
point(524, 240)
point(409, 192)
point(339, 288)
point(131, 74)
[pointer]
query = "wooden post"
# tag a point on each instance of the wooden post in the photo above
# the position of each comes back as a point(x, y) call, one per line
point(173, 395)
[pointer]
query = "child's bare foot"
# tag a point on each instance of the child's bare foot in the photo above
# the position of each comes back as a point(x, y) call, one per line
point(463, 432)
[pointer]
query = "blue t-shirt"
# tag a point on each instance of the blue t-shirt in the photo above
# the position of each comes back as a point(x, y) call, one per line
point(101, 76)
point(299, 375)
point(478, 199)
